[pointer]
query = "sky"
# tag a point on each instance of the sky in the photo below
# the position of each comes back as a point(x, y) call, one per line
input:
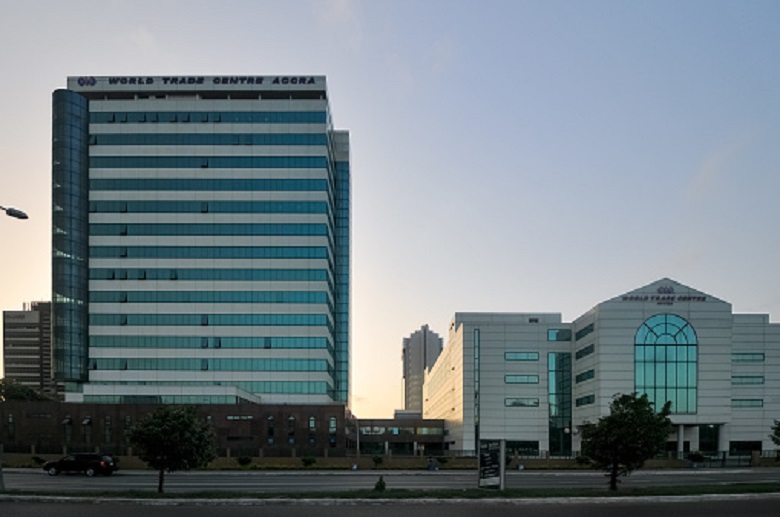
point(511, 156)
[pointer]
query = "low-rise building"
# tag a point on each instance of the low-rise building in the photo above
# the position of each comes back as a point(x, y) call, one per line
point(533, 379)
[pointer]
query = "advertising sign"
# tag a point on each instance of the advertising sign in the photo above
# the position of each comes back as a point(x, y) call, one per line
point(491, 463)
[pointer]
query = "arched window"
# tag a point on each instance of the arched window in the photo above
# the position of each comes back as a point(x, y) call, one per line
point(665, 362)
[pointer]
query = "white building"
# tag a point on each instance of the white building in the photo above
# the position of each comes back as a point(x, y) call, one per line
point(532, 379)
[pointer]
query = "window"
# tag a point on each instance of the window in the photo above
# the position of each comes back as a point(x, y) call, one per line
point(521, 402)
point(559, 394)
point(747, 357)
point(741, 380)
point(270, 429)
point(584, 331)
point(332, 431)
point(312, 430)
point(107, 429)
point(559, 335)
point(67, 427)
point(665, 362)
point(521, 356)
point(747, 403)
point(86, 426)
point(126, 430)
point(585, 401)
point(584, 376)
point(585, 351)
point(521, 379)
point(291, 430)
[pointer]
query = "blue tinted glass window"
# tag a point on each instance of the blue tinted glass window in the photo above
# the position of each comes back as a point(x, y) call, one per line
point(521, 356)
point(199, 184)
point(521, 402)
point(208, 297)
point(747, 357)
point(219, 162)
point(210, 319)
point(559, 335)
point(165, 229)
point(287, 117)
point(665, 362)
point(209, 252)
point(212, 207)
point(521, 379)
point(747, 379)
point(585, 401)
point(747, 403)
point(207, 138)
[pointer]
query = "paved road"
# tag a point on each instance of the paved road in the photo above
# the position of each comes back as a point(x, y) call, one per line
point(763, 506)
point(318, 481)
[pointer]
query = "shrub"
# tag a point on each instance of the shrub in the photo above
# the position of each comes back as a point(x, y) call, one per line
point(696, 457)
point(308, 461)
point(244, 461)
point(377, 460)
point(380, 485)
point(582, 460)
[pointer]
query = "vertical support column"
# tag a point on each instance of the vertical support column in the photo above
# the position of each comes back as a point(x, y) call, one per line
point(723, 439)
point(680, 441)
point(502, 465)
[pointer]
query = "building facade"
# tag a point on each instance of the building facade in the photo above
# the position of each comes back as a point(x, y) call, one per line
point(419, 353)
point(533, 380)
point(201, 241)
point(254, 430)
point(27, 354)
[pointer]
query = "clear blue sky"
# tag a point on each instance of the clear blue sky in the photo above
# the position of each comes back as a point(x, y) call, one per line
point(507, 155)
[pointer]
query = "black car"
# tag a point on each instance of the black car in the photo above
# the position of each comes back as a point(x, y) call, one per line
point(89, 464)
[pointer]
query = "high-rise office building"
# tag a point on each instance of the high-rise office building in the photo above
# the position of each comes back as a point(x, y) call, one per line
point(420, 351)
point(27, 347)
point(201, 240)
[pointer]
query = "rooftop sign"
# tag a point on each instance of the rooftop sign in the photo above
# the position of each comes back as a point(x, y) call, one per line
point(85, 83)
point(665, 296)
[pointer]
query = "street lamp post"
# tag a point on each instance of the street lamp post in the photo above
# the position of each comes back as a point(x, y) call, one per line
point(18, 214)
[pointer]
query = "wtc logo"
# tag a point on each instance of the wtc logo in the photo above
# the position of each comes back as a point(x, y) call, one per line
point(87, 81)
point(665, 289)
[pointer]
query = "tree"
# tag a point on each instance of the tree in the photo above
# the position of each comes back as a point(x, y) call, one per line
point(12, 390)
point(632, 433)
point(171, 439)
point(775, 436)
